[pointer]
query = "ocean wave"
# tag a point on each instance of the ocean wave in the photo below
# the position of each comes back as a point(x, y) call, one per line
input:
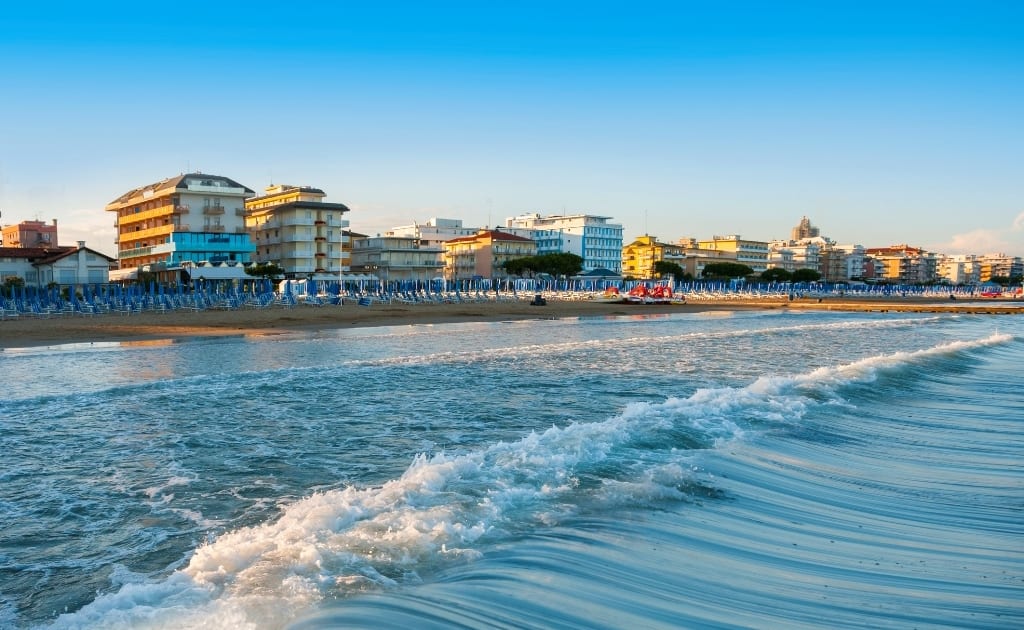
point(450, 508)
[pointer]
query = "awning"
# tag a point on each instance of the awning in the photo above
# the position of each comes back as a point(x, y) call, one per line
point(118, 275)
point(223, 272)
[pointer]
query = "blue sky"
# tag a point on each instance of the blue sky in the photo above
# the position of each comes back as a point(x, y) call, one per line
point(884, 122)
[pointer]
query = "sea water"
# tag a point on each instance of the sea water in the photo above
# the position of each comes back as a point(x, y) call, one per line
point(724, 469)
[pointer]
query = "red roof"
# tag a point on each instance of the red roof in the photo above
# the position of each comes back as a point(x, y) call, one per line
point(495, 235)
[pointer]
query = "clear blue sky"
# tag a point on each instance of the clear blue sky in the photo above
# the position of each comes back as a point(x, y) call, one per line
point(884, 122)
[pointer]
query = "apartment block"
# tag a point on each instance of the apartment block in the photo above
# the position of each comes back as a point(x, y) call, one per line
point(396, 258)
point(484, 254)
point(753, 254)
point(29, 234)
point(638, 257)
point(293, 227)
point(593, 238)
point(190, 218)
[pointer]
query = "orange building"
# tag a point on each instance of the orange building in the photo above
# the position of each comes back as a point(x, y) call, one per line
point(484, 254)
point(30, 234)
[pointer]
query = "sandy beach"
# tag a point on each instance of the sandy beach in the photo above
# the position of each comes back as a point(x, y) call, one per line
point(27, 331)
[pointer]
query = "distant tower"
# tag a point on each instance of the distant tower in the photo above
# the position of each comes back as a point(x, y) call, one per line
point(804, 230)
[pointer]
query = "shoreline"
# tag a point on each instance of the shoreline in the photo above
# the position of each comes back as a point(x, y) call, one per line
point(27, 332)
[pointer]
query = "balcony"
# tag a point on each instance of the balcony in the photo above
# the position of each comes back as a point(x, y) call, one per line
point(239, 212)
point(180, 210)
point(213, 210)
point(319, 222)
point(134, 253)
point(213, 228)
point(320, 238)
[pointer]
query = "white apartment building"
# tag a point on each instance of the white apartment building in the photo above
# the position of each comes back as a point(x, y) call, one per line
point(293, 227)
point(393, 258)
point(434, 232)
point(593, 238)
point(958, 269)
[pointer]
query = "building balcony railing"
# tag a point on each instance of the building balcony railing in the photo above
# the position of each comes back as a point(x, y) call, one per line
point(134, 253)
point(320, 238)
point(213, 210)
point(160, 230)
point(319, 222)
point(180, 210)
point(239, 212)
point(213, 228)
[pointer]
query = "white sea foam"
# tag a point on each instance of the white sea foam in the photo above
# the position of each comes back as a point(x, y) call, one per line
point(547, 349)
point(448, 508)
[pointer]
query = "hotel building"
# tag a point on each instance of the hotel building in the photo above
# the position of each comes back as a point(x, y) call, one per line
point(185, 219)
point(753, 254)
point(593, 238)
point(638, 257)
point(396, 258)
point(293, 227)
point(484, 254)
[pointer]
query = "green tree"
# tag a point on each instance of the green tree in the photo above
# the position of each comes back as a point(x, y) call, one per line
point(270, 271)
point(725, 270)
point(518, 266)
point(776, 274)
point(806, 275)
point(11, 283)
point(663, 268)
point(556, 264)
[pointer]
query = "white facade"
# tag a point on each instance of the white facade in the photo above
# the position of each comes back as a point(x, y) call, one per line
point(64, 266)
point(396, 258)
point(960, 269)
point(434, 232)
point(853, 261)
point(590, 237)
point(294, 228)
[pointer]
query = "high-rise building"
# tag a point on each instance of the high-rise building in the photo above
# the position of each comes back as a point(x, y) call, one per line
point(593, 238)
point(190, 218)
point(293, 227)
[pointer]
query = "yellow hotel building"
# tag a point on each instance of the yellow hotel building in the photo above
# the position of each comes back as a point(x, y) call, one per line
point(638, 257)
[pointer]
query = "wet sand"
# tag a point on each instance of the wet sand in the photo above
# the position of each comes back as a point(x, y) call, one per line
point(27, 331)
